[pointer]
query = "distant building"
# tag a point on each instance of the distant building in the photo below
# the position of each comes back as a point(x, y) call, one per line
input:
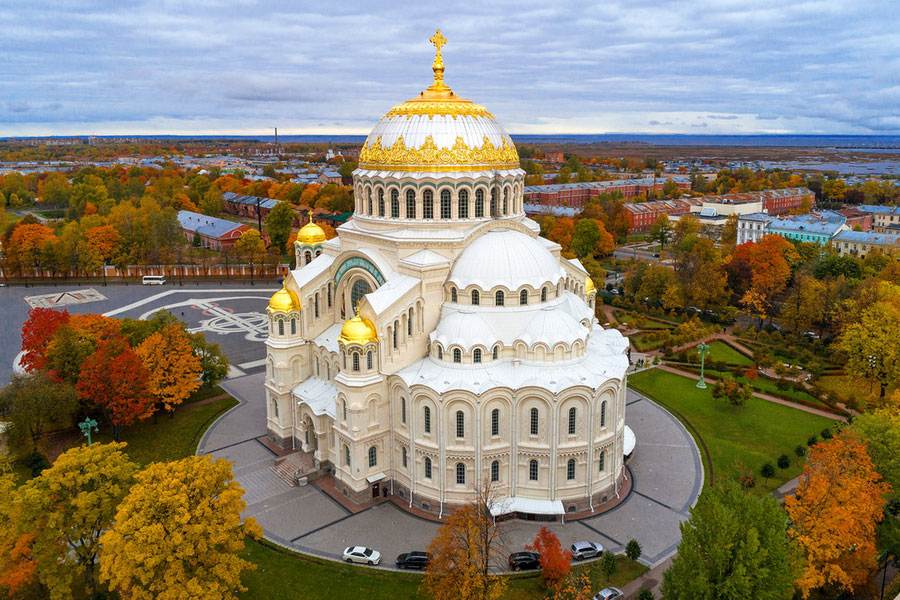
point(818, 228)
point(856, 218)
point(860, 244)
point(752, 227)
point(885, 219)
point(576, 194)
point(330, 176)
point(246, 206)
point(644, 214)
point(216, 234)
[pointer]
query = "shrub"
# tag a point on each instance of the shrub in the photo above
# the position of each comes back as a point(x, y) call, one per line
point(826, 434)
point(767, 471)
point(784, 462)
point(646, 594)
point(633, 549)
point(800, 451)
point(813, 440)
point(37, 462)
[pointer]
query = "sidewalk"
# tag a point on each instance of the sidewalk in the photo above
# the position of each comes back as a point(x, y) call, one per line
point(651, 580)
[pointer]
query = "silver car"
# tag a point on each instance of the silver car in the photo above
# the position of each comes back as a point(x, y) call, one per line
point(610, 593)
point(583, 550)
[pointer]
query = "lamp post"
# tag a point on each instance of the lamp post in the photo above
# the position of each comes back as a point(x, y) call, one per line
point(86, 426)
point(702, 349)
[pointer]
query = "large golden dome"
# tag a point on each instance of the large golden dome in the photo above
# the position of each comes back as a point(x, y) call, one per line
point(311, 234)
point(284, 300)
point(358, 330)
point(438, 131)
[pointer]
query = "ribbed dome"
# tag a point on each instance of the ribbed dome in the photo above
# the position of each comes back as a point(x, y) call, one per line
point(465, 329)
point(506, 258)
point(551, 326)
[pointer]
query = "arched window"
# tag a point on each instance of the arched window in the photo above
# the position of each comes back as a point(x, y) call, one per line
point(395, 204)
point(505, 201)
point(308, 256)
point(523, 297)
point(427, 468)
point(317, 368)
point(476, 355)
point(602, 461)
point(453, 296)
point(499, 298)
point(532, 470)
point(344, 409)
point(316, 305)
point(405, 458)
point(355, 362)
point(495, 421)
point(476, 298)
point(369, 359)
point(460, 474)
point(409, 322)
point(534, 421)
point(394, 334)
point(463, 204)
point(329, 294)
point(410, 204)
point(457, 355)
point(495, 470)
point(380, 203)
point(427, 204)
point(403, 410)
point(544, 294)
point(479, 204)
point(494, 202)
point(445, 204)
point(440, 352)
point(369, 212)
point(328, 371)
point(280, 326)
point(603, 414)
point(293, 326)
point(570, 469)
point(495, 353)
point(426, 413)
point(572, 415)
point(344, 359)
point(460, 424)
point(346, 455)
point(373, 456)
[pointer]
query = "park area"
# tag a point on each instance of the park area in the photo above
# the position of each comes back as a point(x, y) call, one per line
point(734, 437)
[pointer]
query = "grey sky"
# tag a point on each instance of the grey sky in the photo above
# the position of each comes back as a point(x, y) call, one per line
point(242, 67)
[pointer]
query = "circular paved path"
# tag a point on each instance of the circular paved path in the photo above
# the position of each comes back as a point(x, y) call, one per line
point(666, 469)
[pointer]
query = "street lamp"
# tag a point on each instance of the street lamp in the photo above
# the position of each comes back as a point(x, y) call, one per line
point(86, 426)
point(702, 349)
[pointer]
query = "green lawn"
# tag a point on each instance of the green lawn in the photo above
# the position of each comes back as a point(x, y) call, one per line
point(750, 435)
point(288, 575)
point(722, 352)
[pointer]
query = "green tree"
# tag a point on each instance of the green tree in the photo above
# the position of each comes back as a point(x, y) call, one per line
point(33, 402)
point(250, 247)
point(564, 174)
point(767, 471)
point(278, 225)
point(586, 236)
point(784, 462)
point(734, 546)
point(608, 566)
point(213, 362)
point(880, 430)
point(633, 549)
point(661, 231)
point(212, 202)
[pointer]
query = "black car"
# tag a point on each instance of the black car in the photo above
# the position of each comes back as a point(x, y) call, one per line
point(413, 560)
point(524, 560)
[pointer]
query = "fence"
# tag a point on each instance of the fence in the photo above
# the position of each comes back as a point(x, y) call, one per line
point(218, 271)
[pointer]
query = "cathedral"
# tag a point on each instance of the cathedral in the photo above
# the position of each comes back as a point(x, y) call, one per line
point(438, 344)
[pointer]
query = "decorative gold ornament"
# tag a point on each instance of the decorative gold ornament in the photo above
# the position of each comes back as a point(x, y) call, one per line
point(284, 300)
point(429, 157)
point(429, 108)
point(437, 66)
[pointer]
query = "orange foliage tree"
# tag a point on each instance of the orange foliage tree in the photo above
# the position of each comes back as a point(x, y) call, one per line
point(834, 515)
point(555, 560)
point(17, 563)
point(561, 233)
point(174, 370)
point(115, 380)
point(26, 245)
point(37, 332)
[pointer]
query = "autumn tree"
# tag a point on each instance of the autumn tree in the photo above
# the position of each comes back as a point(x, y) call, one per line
point(115, 380)
point(69, 506)
point(734, 546)
point(464, 549)
point(37, 332)
point(212, 202)
point(279, 221)
point(562, 232)
point(732, 391)
point(804, 307)
point(250, 247)
point(661, 231)
point(178, 532)
point(26, 246)
point(871, 346)
point(18, 568)
point(174, 370)
point(30, 404)
point(834, 515)
point(555, 560)
point(880, 431)
point(213, 362)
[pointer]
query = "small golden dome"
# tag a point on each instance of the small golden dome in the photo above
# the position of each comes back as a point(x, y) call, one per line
point(284, 300)
point(358, 330)
point(589, 285)
point(311, 234)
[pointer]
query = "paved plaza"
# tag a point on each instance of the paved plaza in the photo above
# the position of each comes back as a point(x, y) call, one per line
point(666, 470)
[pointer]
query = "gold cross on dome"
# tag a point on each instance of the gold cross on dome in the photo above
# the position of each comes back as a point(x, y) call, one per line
point(438, 40)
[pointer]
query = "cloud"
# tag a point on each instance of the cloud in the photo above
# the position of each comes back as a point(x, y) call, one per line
point(622, 66)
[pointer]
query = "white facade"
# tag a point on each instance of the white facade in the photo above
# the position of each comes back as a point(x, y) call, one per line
point(476, 356)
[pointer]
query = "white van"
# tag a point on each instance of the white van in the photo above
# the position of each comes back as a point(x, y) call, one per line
point(153, 280)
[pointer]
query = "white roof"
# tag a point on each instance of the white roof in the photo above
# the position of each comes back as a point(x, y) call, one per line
point(309, 272)
point(425, 258)
point(577, 264)
point(507, 258)
point(465, 328)
point(526, 505)
point(328, 338)
point(318, 394)
point(393, 289)
point(628, 441)
point(552, 325)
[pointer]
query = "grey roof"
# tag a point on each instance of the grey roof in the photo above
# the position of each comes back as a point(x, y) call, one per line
point(862, 237)
point(599, 185)
point(251, 200)
point(884, 210)
point(204, 225)
point(806, 225)
point(543, 209)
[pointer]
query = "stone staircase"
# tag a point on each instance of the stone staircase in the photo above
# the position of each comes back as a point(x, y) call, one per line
point(295, 468)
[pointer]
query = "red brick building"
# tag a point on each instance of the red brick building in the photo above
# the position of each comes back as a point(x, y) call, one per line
point(574, 195)
point(644, 214)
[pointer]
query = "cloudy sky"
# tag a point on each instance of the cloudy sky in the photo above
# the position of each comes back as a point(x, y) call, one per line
point(243, 67)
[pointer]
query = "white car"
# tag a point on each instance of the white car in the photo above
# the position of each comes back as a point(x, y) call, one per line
point(583, 550)
point(361, 554)
point(610, 593)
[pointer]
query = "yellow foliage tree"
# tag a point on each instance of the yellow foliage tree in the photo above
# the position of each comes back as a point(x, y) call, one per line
point(834, 514)
point(69, 506)
point(174, 369)
point(177, 534)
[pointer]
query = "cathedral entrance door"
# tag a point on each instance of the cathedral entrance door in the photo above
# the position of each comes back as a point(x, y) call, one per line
point(376, 489)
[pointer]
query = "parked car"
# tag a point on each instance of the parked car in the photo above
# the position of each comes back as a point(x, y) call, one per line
point(361, 554)
point(413, 560)
point(583, 550)
point(609, 593)
point(519, 561)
